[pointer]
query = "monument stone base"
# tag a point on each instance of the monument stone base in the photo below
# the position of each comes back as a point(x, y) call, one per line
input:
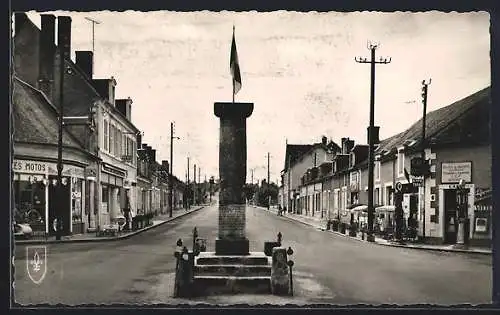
point(232, 247)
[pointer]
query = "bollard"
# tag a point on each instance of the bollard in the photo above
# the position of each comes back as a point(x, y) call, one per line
point(290, 264)
point(183, 283)
point(177, 254)
point(195, 235)
point(280, 282)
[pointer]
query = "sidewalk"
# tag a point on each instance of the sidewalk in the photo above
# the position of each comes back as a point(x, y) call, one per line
point(321, 225)
point(92, 237)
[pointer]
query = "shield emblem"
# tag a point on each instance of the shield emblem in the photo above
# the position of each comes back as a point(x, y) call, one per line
point(36, 263)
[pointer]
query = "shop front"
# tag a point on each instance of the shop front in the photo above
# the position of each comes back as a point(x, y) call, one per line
point(112, 193)
point(39, 198)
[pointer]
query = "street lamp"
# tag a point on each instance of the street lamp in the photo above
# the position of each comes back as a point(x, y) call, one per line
point(60, 196)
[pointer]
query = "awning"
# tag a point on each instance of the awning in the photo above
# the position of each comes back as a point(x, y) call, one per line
point(363, 208)
point(386, 208)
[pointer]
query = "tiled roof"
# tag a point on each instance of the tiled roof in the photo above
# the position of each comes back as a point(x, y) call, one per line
point(436, 121)
point(35, 119)
point(295, 151)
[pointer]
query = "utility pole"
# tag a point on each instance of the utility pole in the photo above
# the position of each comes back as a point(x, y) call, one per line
point(188, 188)
point(372, 62)
point(94, 22)
point(288, 202)
point(63, 53)
point(268, 182)
point(171, 175)
point(423, 145)
point(194, 185)
point(58, 218)
point(252, 175)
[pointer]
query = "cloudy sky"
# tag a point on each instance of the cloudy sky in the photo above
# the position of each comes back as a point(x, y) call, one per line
point(298, 69)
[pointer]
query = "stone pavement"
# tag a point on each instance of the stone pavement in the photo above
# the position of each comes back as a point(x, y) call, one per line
point(92, 237)
point(320, 224)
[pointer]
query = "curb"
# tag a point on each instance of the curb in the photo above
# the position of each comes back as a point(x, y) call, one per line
point(389, 244)
point(106, 239)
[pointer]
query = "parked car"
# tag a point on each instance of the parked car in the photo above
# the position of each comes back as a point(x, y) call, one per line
point(22, 230)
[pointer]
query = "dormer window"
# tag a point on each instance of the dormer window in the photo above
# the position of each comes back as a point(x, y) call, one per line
point(352, 159)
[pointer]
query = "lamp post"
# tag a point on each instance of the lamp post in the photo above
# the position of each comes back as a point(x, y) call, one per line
point(60, 196)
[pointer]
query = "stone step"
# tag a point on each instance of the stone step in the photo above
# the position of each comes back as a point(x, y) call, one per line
point(232, 260)
point(213, 285)
point(233, 270)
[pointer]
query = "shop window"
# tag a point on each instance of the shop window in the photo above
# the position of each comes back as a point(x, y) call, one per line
point(105, 199)
point(76, 201)
point(29, 201)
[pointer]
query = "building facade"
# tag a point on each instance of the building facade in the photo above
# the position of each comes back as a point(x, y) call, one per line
point(457, 149)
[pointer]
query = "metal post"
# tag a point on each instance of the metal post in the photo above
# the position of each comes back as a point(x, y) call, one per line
point(60, 191)
point(372, 62)
point(170, 176)
point(188, 187)
point(424, 103)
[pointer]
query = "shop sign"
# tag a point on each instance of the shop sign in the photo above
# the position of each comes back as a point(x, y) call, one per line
point(454, 172)
point(68, 170)
point(482, 194)
point(29, 166)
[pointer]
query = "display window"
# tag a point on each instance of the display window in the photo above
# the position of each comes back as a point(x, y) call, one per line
point(29, 201)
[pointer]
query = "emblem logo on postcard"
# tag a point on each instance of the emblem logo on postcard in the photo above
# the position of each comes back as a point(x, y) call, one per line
point(36, 263)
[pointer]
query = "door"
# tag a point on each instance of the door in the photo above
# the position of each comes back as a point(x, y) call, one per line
point(62, 202)
point(450, 216)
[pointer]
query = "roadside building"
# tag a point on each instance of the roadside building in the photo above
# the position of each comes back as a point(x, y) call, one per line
point(38, 60)
point(298, 159)
point(457, 147)
point(35, 184)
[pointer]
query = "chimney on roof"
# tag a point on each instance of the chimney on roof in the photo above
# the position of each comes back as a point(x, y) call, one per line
point(85, 61)
point(20, 19)
point(138, 139)
point(165, 165)
point(349, 145)
point(124, 106)
point(64, 35)
point(153, 155)
point(47, 49)
point(324, 140)
point(376, 139)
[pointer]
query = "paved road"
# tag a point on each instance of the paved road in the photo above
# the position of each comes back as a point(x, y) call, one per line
point(328, 268)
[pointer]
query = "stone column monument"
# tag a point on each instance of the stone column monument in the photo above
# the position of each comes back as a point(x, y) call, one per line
point(232, 173)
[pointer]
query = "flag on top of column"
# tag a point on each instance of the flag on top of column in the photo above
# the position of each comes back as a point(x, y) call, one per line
point(235, 67)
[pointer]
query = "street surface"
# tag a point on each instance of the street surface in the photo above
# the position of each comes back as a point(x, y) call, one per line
point(328, 268)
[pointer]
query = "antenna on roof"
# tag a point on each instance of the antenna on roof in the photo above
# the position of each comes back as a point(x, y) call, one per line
point(94, 22)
